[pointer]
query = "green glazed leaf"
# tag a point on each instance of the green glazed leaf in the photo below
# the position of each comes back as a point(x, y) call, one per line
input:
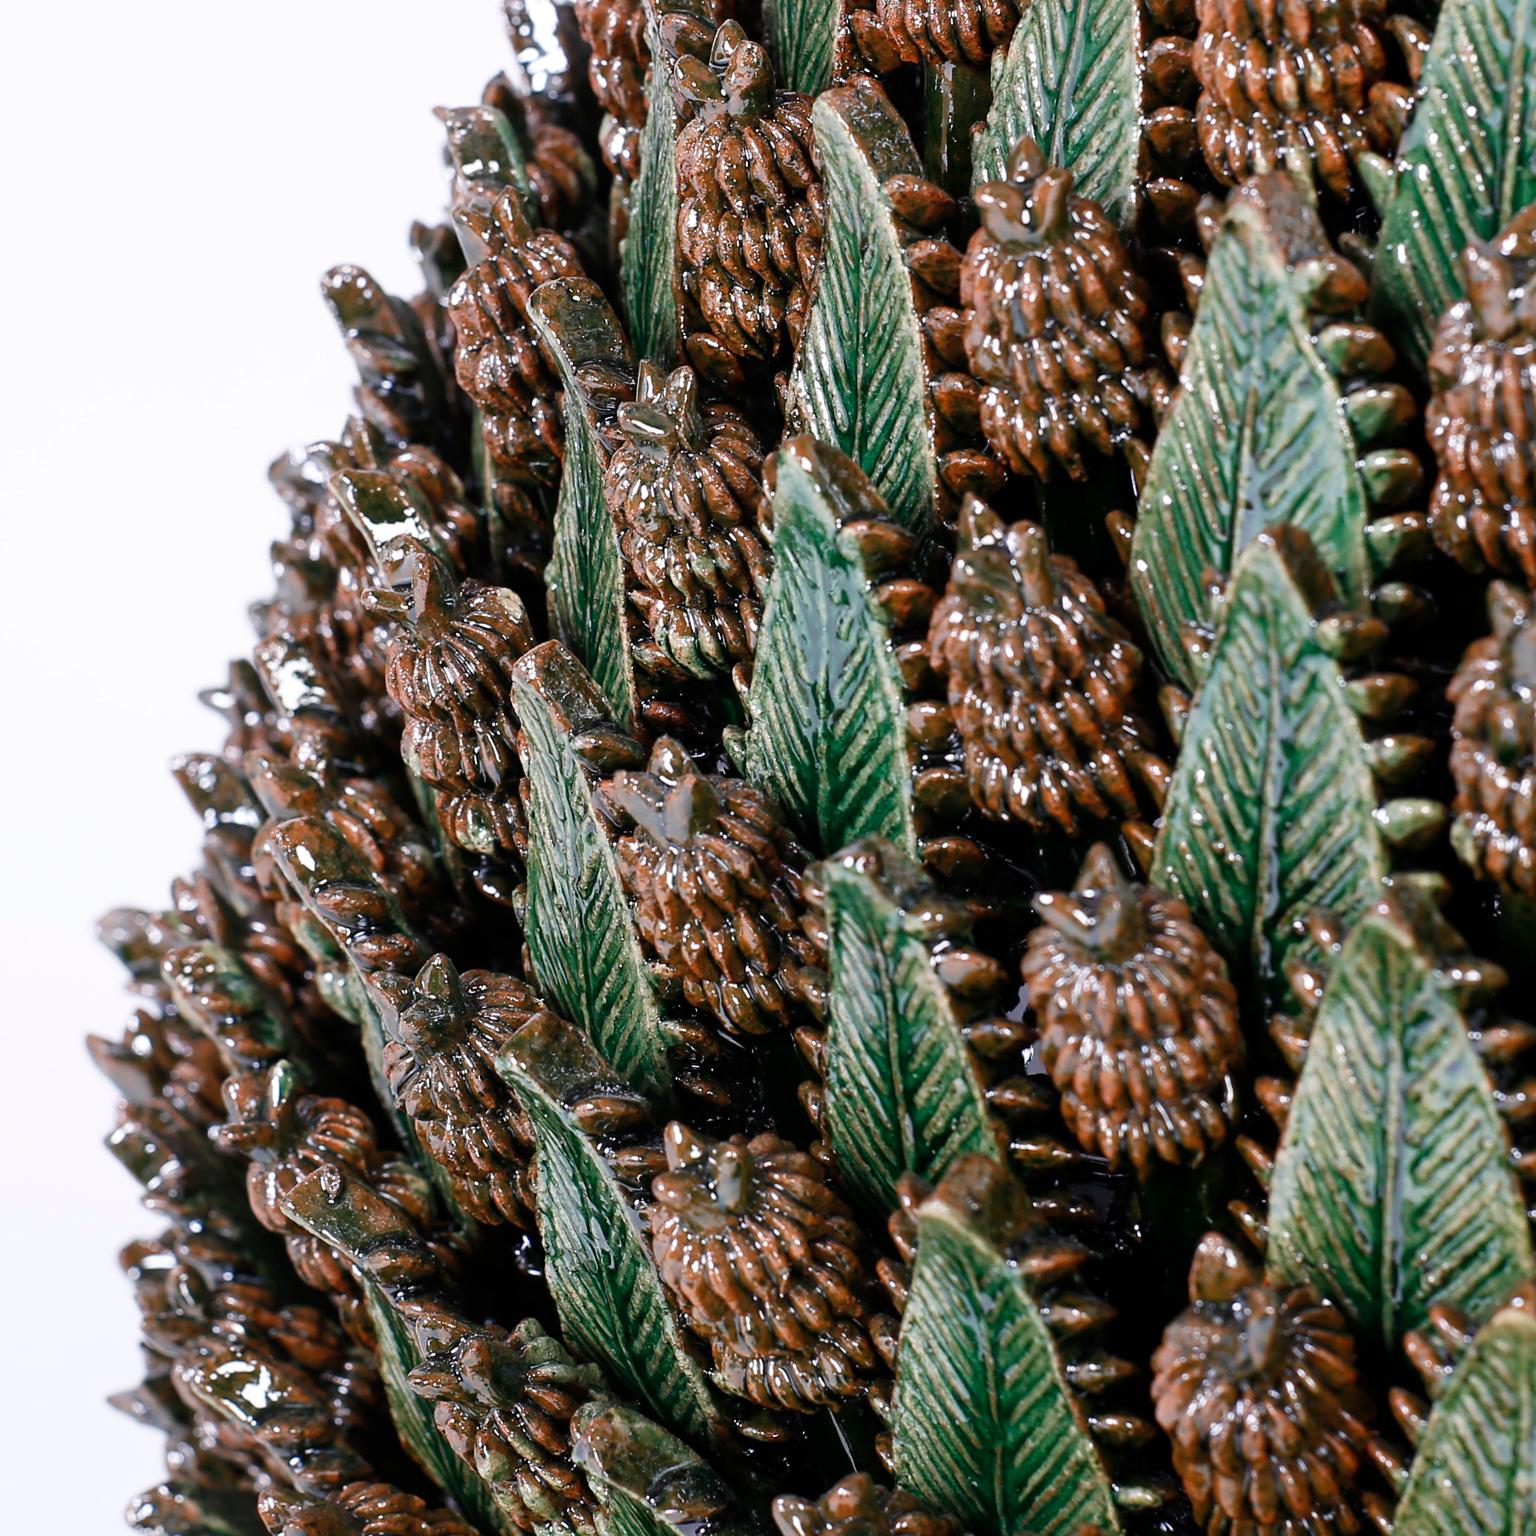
point(413, 1419)
point(485, 152)
point(1393, 1189)
point(901, 1093)
point(324, 871)
point(581, 938)
point(392, 515)
point(1466, 166)
point(1475, 1469)
point(1270, 812)
point(956, 98)
point(648, 257)
point(647, 1482)
point(1071, 81)
point(858, 381)
point(358, 1223)
point(828, 733)
point(609, 1297)
point(985, 1427)
point(585, 575)
point(1256, 436)
point(802, 36)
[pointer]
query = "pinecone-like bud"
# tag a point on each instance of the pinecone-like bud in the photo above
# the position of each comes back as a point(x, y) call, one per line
point(359, 1509)
point(619, 56)
point(202, 1495)
point(385, 838)
point(165, 1058)
point(939, 32)
point(322, 566)
point(1493, 751)
point(714, 877)
point(504, 1405)
point(1138, 1022)
point(684, 484)
point(450, 671)
point(214, 990)
point(1041, 682)
point(1482, 415)
point(251, 722)
point(195, 1298)
point(1055, 323)
point(1284, 83)
point(561, 175)
point(768, 1264)
point(859, 1506)
point(288, 1135)
point(750, 206)
point(1256, 1385)
point(447, 1032)
point(497, 358)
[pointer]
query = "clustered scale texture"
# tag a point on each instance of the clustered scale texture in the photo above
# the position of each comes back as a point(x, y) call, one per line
point(618, 57)
point(497, 358)
point(1056, 322)
point(1284, 80)
point(1041, 682)
point(505, 1406)
point(359, 1509)
point(859, 1506)
point(1493, 751)
point(750, 214)
point(1138, 1021)
point(287, 1134)
point(939, 33)
point(1258, 1386)
point(441, 1065)
point(768, 1262)
point(685, 487)
point(857, 737)
point(1482, 415)
point(714, 875)
point(450, 674)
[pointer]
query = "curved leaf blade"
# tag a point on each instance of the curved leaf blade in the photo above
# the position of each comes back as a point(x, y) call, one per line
point(1270, 813)
point(1467, 164)
point(580, 934)
point(610, 1300)
point(1256, 436)
point(486, 154)
point(828, 733)
point(802, 35)
point(1071, 81)
point(901, 1093)
point(858, 381)
point(356, 1221)
point(984, 1424)
point(1475, 1470)
point(323, 870)
point(1393, 1189)
point(647, 1482)
point(585, 576)
point(648, 256)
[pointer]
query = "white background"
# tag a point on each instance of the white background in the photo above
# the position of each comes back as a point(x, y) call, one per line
point(176, 177)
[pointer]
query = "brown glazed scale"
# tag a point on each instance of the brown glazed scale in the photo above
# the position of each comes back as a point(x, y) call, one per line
point(873, 867)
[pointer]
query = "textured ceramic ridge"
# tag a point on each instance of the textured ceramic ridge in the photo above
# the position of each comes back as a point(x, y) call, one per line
point(866, 875)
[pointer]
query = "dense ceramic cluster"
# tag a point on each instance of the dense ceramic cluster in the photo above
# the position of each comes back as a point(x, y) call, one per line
point(842, 760)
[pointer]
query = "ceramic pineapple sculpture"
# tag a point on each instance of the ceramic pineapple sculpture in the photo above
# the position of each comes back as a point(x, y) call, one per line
point(866, 875)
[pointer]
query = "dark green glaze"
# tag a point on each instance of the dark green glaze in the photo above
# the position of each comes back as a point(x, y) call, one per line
point(828, 733)
point(858, 381)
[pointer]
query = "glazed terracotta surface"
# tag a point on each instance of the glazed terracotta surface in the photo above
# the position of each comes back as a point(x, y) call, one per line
point(866, 873)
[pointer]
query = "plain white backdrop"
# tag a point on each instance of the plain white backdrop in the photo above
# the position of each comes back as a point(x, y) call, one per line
point(177, 176)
